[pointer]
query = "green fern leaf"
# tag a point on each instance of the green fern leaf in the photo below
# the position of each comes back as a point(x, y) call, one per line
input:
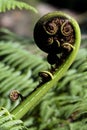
point(8, 121)
point(18, 70)
point(13, 4)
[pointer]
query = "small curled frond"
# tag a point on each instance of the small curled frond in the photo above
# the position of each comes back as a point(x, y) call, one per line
point(14, 95)
point(13, 4)
point(45, 76)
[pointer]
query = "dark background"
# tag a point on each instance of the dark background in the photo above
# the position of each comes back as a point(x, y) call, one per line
point(78, 6)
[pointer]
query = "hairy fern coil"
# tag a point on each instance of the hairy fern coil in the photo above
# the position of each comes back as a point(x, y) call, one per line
point(56, 34)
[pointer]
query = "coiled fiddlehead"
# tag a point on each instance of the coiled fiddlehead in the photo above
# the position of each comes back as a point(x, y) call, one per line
point(55, 34)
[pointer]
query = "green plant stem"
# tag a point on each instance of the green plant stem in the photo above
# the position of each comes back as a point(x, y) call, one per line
point(32, 100)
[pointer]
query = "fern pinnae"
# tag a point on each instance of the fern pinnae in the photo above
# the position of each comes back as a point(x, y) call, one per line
point(15, 81)
point(8, 121)
point(3, 84)
point(10, 59)
point(83, 67)
point(18, 58)
point(39, 67)
point(13, 4)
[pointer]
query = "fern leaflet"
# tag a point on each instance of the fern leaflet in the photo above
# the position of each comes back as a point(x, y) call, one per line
point(12, 4)
point(8, 121)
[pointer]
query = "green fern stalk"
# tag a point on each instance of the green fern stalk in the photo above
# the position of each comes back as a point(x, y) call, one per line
point(32, 100)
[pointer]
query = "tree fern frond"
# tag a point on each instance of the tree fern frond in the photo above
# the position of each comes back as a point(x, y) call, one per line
point(27, 42)
point(13, 4)
point(8, 121)
point(8, 35)
point(14, 56)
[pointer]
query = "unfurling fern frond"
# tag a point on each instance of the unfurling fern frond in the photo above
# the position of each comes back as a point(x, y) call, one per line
point(12, 4)
point(8, 121)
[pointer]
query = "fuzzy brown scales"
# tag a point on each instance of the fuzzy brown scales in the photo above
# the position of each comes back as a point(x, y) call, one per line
point(14, 95)
point(55, 36)
point(51, 27)
point(61, 31)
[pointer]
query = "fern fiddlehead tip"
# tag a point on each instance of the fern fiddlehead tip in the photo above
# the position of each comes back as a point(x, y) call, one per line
point(56, 34)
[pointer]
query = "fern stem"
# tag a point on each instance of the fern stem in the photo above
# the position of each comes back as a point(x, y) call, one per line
point(32, 100)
